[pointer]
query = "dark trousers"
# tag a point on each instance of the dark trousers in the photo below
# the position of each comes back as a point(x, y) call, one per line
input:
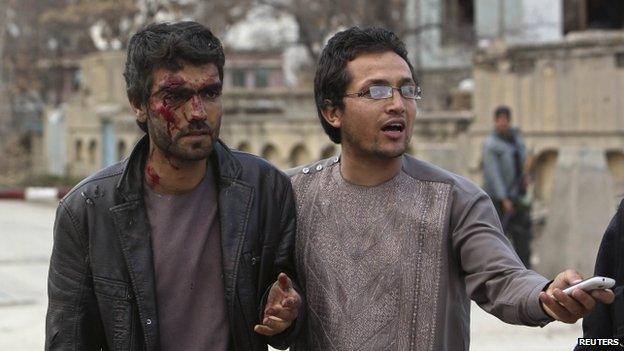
point(517, 227)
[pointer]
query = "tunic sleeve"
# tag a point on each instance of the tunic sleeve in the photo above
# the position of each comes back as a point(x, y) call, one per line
point(495, 277)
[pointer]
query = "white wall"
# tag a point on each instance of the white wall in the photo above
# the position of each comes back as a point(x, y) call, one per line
point(519, 21)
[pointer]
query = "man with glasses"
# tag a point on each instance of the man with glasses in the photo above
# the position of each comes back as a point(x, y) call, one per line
point(389, 249)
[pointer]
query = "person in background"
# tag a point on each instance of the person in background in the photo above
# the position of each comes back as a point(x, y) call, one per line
point(505, 181)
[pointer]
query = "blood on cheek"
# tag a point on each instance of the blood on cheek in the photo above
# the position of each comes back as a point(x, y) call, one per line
point(166, 108)
point(168, 115)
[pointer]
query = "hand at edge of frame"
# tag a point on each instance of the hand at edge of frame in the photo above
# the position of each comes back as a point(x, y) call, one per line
point(570, 308)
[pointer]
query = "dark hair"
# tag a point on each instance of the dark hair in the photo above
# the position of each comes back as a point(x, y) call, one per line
point(332, 77)
point(502, 110)
point(167, 45)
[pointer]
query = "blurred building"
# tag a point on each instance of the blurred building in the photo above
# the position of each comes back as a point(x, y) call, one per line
point(444, 34)
point(95, 126)
point(253, 70)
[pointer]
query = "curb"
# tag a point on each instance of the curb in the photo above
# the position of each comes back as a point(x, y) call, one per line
point(34, 194)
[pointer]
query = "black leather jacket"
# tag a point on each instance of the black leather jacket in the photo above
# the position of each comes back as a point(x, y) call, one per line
point(101, 279)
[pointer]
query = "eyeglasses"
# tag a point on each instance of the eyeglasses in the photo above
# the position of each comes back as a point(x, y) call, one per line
point(379, 92)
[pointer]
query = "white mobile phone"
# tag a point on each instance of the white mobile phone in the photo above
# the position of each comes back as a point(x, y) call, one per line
point(591, 284)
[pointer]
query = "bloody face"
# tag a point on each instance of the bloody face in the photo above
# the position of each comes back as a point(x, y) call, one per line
point(184, 111)
point(377, 128)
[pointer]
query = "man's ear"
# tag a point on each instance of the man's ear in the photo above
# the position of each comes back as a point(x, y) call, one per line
point(141, 115)
point(139, 111)
point(332, 114)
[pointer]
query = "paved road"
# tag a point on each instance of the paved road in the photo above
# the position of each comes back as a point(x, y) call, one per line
point(25, 244)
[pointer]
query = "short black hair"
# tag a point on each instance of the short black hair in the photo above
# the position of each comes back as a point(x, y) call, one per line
point(167, 45)
point(331, 79)
point(502, 110)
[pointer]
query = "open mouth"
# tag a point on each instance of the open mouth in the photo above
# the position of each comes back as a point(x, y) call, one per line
point(393, 127)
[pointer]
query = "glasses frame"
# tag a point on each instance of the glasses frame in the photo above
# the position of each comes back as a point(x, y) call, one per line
point(364, 93)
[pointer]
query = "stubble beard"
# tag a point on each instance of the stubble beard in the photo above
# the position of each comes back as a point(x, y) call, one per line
point(375, 150)
point(172, 148)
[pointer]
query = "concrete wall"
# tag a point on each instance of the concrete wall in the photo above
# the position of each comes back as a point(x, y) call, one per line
point(561, 94)
point(515, 22)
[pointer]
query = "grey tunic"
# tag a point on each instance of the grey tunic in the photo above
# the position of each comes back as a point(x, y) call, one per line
point(391, 267)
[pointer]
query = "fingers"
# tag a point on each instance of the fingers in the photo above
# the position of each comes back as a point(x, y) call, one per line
point(288, 309)
point(283, 300)
point(554, 309)
point(281, 287)
point(281, 313)
point(605, 296)
point(572, 277)
point(264, 330)
point(272, 325)
point(563, 280)
point(292, 301)
point(284, 281)
point(585, 301)
point(568, 309)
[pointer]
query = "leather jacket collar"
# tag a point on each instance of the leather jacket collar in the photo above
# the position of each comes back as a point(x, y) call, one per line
point(131, 182)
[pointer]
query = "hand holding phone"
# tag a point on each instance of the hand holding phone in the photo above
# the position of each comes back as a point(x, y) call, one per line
point(591, 284)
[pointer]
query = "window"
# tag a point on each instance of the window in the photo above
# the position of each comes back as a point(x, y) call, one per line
point(92, 151)
point(78, 150)
point(238, 78)
point(582, 15)
point(458, 22)
point(619, 60)
point(77, 79)
point(261, 78)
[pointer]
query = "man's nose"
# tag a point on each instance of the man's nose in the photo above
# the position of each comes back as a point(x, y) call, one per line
point(197, 108)
point(397, 103)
